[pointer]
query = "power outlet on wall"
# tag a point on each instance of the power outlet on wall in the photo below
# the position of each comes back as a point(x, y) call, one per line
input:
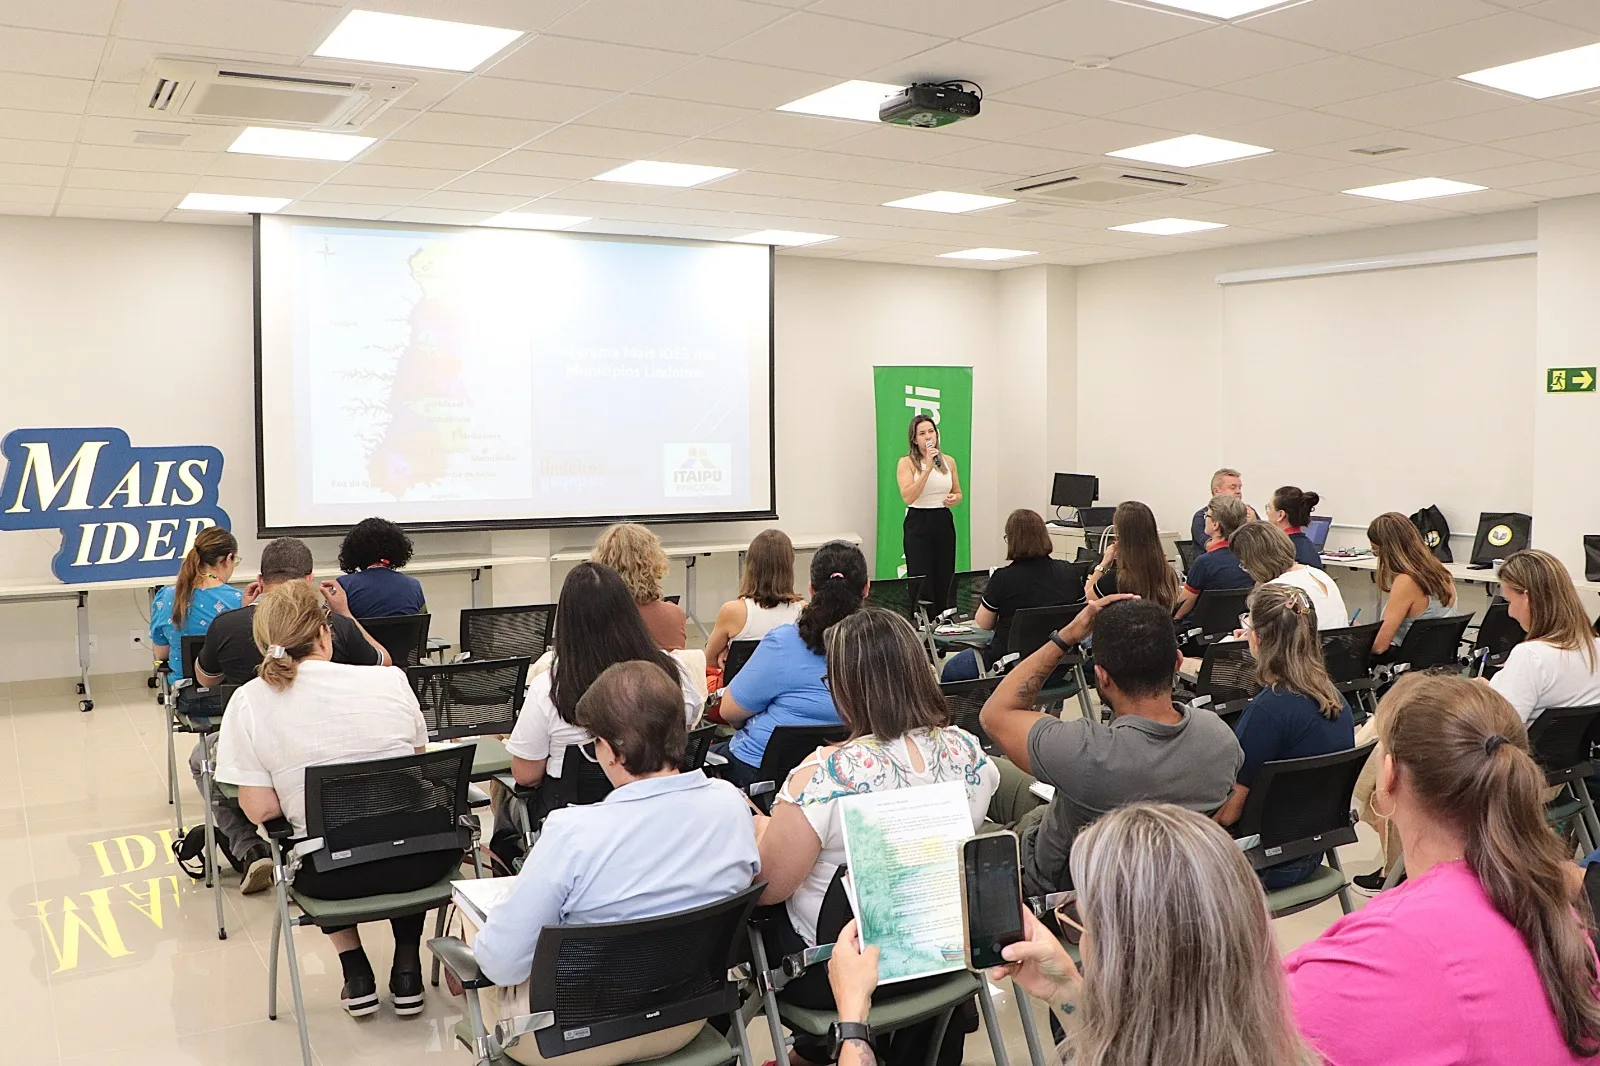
point(94, 643)
point(138, 638)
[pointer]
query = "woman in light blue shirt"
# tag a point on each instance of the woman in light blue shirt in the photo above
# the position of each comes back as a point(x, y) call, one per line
point(187, 606)
point(782, 684)
point(662, 842)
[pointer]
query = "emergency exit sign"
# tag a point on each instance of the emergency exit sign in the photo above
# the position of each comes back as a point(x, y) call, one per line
point(1570, 379)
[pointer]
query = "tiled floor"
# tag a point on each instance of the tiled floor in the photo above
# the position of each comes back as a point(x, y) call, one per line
point(111, 952)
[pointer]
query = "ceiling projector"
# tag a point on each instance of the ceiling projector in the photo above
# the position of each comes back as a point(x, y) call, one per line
point(931, 105)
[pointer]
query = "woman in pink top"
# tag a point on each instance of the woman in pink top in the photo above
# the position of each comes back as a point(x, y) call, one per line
point(1480, 957)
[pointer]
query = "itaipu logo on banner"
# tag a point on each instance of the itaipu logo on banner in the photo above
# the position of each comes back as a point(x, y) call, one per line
point(123, 512)
point(697, 469)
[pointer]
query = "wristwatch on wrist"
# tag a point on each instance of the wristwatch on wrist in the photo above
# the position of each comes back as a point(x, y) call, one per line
point(839, 1032)
point(1055, 638)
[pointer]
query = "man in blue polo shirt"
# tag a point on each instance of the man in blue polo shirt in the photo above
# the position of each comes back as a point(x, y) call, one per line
point(1225, 482)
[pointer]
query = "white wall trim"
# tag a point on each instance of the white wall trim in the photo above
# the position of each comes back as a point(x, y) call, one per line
point(1509, 250)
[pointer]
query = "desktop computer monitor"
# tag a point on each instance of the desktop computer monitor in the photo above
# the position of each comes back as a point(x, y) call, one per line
point(1074, 490)
point(1317, 531)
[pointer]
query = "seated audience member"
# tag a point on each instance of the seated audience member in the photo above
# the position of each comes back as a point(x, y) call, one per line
point(307, 710)
point(1481, 955)
point(1417, 584)
point(1154, 749)
point(1031, 579)
point(372, 556)
point(784, 681)
point(662, 842)
point(636, 553)
point(1219, 567)
point(231, 656)
point(766, 600)
point(188, 606)
point(1224, 482)
point(1136, 562)
point(1268, 557)
point(1558, 665)
point(1290, 510)
point(1180, 964)
point(594, 629)
point(900, 737)
point(1296, 715)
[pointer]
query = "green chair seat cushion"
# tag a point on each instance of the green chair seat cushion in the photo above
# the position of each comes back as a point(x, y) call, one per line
point(1560, 810)
point(977, 638)
point(490, 759)
point(889, 1012)
point(373, 908)
point(1325, 883)
point(227, 790)
point(708, 1048)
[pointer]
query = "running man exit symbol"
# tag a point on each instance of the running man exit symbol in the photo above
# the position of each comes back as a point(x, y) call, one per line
point(1570, 379)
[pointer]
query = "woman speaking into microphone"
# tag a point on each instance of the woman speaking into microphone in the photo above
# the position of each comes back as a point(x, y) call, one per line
point(930, 487)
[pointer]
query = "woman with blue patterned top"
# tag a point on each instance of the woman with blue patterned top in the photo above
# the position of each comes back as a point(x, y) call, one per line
point(187, 607)
point(900, 737)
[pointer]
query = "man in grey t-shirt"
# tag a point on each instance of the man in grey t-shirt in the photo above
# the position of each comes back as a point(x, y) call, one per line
point(1154, 749)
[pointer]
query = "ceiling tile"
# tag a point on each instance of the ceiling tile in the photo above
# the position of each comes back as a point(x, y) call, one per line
point(1251, 194)
point(898, 142)
point(120, 198)
point(1094, 92)
point(788, 130)
point(440, 127)
point(994, 69)
point(698, 28)
point(416, 154)
point(120, 132)
point(1345, 150)
point(724, 81)
point(449, 197)
point(38, 125)
point(511, 14)
point(1564, 187)
point(548, 165)
point(87, 178)
point(16, 193)
point(1503, 38)
point(1522, 175)
point(1581, 13)
point(1088, 28)
point(657, 114)
point(268, 25)
point(129, 60)
point(1296, 129)
point(826, 165)
point(709, 151)
point(1097, 136)
point(609, 144)
point(592, 64)
point(231, 165)
point(1421, 104)
point(520, 185)
point(1516, 121)
point(63, 55)
point(30, 174)
point(121, 214)
point(1455, 163)
point(1326, 81)
point(36, 92)
point(316, 208)
point(362, 194)
point(1017, 159)
point(419, 178)
point(1338, 179)
point(439, 216)
point(172, 160)
point(1350, 25)
point(45, 153)
point(1202, 111)
point(1217, 55)
point(78, 16)
point(1556, 144)
point(948, 18)
point(505, 98)
point(844, 49)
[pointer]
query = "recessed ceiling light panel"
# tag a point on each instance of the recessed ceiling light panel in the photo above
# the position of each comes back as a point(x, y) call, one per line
point(858, 100)
point(214, 201)
point(1415, 189)
point(408, 41)
point(785, 238)
point(677, 175)
point(1169, 227)
point(950, 203)
point(300, 144)
point(988, 254)
point(533, 220)
point(1573, 71)
point(1223, 9)
point(1191, 150)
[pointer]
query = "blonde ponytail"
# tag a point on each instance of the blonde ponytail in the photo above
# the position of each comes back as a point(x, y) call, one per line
point(212, 545)
point(1288, 647)
point(288, 621)
point(1465, 751)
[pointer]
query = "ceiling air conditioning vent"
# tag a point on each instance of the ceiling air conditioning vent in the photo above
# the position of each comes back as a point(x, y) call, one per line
point(208, 91)
point(1093, 185)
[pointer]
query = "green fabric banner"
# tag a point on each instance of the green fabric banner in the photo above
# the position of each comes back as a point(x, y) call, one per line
point(900, 392)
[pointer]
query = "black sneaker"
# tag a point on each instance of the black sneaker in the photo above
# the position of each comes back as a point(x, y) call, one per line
point(360, 996)
point(405, 987)
point(1371, 884)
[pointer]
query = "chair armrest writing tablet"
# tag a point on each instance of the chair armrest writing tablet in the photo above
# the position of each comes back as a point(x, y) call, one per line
point(458, 958)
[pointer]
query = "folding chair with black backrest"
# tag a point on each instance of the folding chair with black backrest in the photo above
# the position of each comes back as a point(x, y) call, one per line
point(903, 596)
point(362, 812)
point(477, 699)
point(965, 699)
point(1347, 653)
point(1030, 628)
point(1188, 552)
point(507, 632)
point(1497, 634)
point(936, 997)
point(1227, 680)
point(1215, 615)
point(403, 636)
point(787, 747)
point(697, 747)
point(966, 592)
point(593, 985)
point(1431, 644)
point(966, 596)
point(739, 652)
point(1301, 807)
point(1562, 740)
point(197, 711)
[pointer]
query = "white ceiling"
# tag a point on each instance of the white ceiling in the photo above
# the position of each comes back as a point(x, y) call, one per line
point(602, 82)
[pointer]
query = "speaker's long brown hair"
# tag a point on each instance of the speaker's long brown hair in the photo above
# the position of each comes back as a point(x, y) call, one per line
point(1464, 752)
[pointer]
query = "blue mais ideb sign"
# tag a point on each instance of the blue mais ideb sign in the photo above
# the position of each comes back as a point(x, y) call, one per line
point(123, 512)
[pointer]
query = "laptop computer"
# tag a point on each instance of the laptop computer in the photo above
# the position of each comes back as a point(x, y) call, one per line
point(1317, 531)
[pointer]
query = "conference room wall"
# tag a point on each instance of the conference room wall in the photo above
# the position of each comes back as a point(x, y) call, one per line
point(147, 327)
point(1165, 397)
